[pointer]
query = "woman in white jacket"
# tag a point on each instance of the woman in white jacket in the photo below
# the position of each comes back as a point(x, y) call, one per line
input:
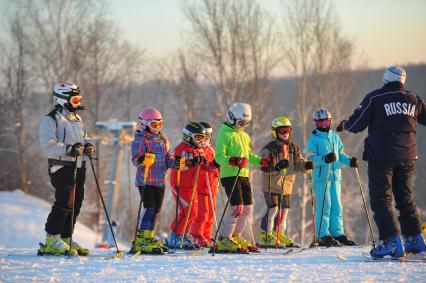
point(65, 142)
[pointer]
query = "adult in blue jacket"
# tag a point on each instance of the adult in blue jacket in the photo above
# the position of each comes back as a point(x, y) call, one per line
point(391, 114)
point(325, 149)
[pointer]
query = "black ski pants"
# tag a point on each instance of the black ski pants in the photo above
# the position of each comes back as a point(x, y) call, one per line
point(59, 219)
point(393, 178)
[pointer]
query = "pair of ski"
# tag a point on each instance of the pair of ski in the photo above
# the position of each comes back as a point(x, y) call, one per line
point(419, 258)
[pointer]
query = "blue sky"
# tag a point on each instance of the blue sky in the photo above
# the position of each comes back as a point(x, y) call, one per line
point(386, 32)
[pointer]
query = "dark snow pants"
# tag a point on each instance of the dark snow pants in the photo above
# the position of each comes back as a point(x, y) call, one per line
point(59, 219)
point(152, 198)
point(385, 179)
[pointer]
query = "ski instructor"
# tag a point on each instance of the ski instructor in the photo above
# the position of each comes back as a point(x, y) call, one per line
point(64, 140)
point(391, 114)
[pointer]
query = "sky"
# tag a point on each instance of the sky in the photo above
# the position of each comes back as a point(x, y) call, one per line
point(385, 32)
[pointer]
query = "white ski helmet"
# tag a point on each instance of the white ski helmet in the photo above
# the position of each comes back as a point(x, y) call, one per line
point(63, 92)
point(239, 114)
point(394, 74)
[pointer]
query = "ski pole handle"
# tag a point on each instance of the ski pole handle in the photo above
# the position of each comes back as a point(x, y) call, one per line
point(148, 162)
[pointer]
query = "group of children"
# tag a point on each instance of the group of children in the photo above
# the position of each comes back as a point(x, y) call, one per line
point(196, 170)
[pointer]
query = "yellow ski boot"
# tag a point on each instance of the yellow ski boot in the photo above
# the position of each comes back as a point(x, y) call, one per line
point(55, 246)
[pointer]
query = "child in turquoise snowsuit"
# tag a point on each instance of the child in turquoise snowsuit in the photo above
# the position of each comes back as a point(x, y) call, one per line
point(325, 149)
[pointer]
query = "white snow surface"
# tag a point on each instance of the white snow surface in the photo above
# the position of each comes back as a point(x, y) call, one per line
point(22, 226)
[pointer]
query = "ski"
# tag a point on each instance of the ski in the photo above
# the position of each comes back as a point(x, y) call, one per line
point(290, 251)
point(367, 258)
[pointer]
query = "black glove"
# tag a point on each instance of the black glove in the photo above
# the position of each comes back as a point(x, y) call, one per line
point(176, 164)
point(197, 160)
point(217, 165)
point(340, 126)
point(75, 149)
point(141, 159)
point(282, 164)
point(354, 162)
point(330, 157)
point(309, 165)
point(89, 150)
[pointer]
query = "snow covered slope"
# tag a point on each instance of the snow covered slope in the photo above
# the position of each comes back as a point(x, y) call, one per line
point(25, 214)
point(22, 219)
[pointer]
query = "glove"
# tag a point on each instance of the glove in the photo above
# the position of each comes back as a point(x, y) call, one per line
point(354, 162)
point(215, 164)
point(197, 160)
point(176, 163)
point(340, 126)
point(141, 159)
point(89, 150)
point(309, 165)
point(282, 164)
point(240, 162)
point(75, 149)
point(330, 157)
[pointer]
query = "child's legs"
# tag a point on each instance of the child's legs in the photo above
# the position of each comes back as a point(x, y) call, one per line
point(268, 217)
point(197, 228)
point(236, 205)
point(319, 193)
point(248, 207)
point(208, 227)
point(183, 205)
point(152, 198)
point(336, 211)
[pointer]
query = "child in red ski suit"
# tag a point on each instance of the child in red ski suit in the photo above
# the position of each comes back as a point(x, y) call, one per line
point(202, 228)
point(185, 190)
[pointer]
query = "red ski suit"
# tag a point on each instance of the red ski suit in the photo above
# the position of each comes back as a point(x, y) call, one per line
point(207, 184)
point(188, 176)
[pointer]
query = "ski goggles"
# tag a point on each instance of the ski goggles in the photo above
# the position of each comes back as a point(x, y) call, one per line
point(75, 100)
point(324, 123)
point(283, 130)
point(199, 137)
point(243, 123)
point(155, 124)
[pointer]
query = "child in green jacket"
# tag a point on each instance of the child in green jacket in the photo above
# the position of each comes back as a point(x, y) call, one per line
point(233, 153)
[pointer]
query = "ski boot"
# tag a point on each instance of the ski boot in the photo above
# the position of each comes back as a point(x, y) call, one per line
point(55, 246)
point(415, 244)
point(328, 241)
point(268, 240)
point(182, 241)
point(246, 244)
point(289, 243)
point(145, 245)
point(76, 246)
point(156, 242)
point(344, 240)
point(392, 247)
point(201, 241)
point(226, 245)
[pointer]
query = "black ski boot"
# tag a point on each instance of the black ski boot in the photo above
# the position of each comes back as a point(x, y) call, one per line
point(328, 241)
point(344, 240)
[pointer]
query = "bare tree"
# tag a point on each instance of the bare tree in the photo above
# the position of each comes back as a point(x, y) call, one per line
point(318, 55)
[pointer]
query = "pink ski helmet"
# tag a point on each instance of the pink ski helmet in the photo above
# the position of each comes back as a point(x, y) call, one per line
point(151, 117)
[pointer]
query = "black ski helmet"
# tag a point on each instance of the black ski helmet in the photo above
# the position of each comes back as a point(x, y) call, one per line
point(194, 134)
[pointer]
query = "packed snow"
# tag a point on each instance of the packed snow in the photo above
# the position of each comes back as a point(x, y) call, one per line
point(22, 220)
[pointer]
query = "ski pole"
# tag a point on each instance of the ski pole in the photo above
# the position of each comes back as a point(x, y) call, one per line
point(267, 209)
point(323, 200)
point(311, 190)
point(148, 162)
point(365, 206)
point(224, 211)
point(181, 164)
point(194, 187)
point(72, 200)
point(211, 199)
point(103, 204)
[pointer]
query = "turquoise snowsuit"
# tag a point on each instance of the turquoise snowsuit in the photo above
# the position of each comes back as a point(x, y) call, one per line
point(318, 146)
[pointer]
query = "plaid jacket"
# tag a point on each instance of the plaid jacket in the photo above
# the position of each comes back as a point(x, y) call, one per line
point(148, 142)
